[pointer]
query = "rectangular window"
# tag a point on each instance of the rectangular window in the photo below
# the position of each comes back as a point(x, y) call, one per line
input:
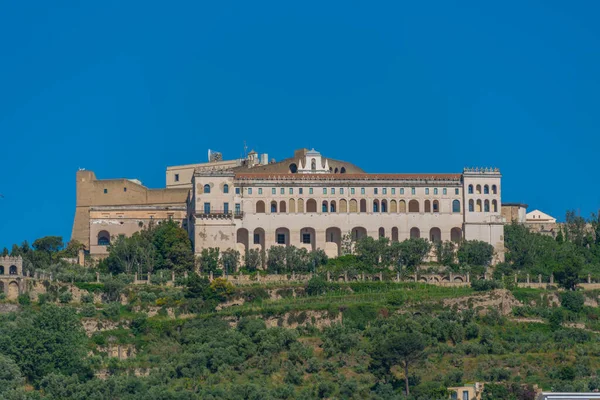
point(393, 190)
point(324, 190)
point(176, 177)
point(426, 191)
point(226, 208)
point(413, 191)
point(341, 190)
point(257, 238)
point(384, 191)
point(456, 191)
point(306, 238)
point(105, 191)
point(352, 191)
point(465, 395)
point(238, 208)
point(237, 190)
point(291, 190)
point(259, 190)
point(310, 191)
point(401, 190)
point(124, 189)
point(300, 191)
point(444, 191)
point(282, 191)
point(362, 190)
point(375, 191)
point(332, 190)
point(281, 238)
point(206, 208)
point(435, 191)
point(273, 191)
point(250, 190)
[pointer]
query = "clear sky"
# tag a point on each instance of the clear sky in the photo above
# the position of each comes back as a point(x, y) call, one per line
point(125, 89)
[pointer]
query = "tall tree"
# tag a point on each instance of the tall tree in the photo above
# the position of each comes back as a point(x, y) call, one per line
point(402, 349)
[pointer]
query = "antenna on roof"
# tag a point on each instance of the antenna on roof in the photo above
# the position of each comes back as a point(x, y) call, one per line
point(208, 155)
point(245, 150)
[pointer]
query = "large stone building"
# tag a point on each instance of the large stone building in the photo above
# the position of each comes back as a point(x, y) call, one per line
point(306, 200)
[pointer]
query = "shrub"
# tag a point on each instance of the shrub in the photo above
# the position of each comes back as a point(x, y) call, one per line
point(24, 299)
point(87, 298)
point(112, 310)
point(43, 298)
point(65, 297)
point(481, 285)
point(88, 310)
point(395, 298)
point(572, 301)
point(316, 286)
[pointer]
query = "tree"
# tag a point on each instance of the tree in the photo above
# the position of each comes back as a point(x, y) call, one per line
point(403, 349)
point(276, 259)
point(568, 266)
point(253, 259)
point(572, 301)
point(196, 287)
point(209, 259)
point(413, 251)
point(173, 247)
point(445, 252)
point(10, 374)
point(4, 252)
point(346, 244)
point(475, 252)
point(230, 260)
point(51, 340)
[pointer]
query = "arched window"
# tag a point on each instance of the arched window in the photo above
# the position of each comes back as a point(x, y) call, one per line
point(363, 205)
point(381, 232)
point(207, 188)
point(486, 189)
point(478, 189)
point(292, 206)
point(300, 205)
point(375, 205)
point(293, 168)
point(332, 206)
point(415, 233)
point(436, 206)
point(1, 269)
point(435, 235)
point(427, 206)
point(313, 164)
point(402, 206)
point(393, 206)
point(343, 170)
point(471, 205)
point(456, 234)
point(282, 206)
point(494, 189)
point(486, 206)
point(413, 206)
point(353, 206)
point(336, 170)
point(344, 205)
point(478, 206)
point(273, 207)
point(311, 206)
point(103, 238)
point(225, 188)
point(12, 270)
point(324, 207)
point(456, 206)
point(260, 207)
point(470, 189)
point(494, 206)
point(384, 206)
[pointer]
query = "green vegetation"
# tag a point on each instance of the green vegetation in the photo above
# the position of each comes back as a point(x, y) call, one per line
point(203, 339)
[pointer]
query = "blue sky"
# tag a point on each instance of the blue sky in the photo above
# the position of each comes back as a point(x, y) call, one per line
point(127, 88)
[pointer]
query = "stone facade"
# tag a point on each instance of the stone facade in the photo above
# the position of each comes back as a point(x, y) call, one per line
point(307, 200)
point(12, 282)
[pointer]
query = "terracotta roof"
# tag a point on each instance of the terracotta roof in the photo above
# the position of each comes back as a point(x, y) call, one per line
point(289, 176)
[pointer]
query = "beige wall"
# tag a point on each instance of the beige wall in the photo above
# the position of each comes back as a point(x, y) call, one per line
point(92, 192)
point(181, 175)
point(127, 220)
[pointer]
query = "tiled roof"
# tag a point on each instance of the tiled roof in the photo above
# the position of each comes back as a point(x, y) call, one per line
point(300, 177)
